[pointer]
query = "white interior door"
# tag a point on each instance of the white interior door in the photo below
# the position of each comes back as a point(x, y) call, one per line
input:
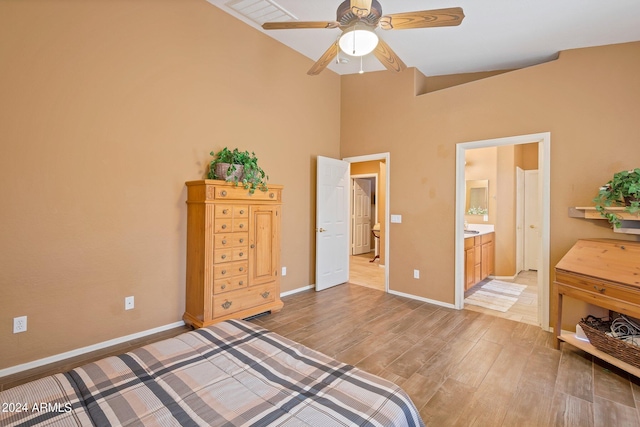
point(519, 220)
point(531, 221)
point(361, 216)
point(332, 223)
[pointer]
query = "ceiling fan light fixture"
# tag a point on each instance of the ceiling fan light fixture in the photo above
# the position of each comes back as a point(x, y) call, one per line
point(358, 41)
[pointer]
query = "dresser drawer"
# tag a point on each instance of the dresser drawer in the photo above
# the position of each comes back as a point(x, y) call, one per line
point(600, 289)
point(232, 211)
point(229, 269)
point(230, 302)
point(231, 254)
point(230, 240)
point(224, 211)
point(240, 193)
point(229, 284)
point(241, 211)
point(231, 225)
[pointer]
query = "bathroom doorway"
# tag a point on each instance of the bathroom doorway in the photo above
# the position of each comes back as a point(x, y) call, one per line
point(504, 220)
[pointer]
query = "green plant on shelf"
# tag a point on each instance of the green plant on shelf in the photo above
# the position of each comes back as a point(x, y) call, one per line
point(622, 190)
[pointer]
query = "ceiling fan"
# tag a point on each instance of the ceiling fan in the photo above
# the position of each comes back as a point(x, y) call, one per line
point(358, 19)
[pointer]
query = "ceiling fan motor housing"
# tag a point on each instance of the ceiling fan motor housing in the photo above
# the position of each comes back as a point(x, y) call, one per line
point(346, 17)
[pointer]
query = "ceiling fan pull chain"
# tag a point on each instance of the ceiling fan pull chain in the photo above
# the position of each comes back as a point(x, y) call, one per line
point(361, 70)
point(354, 43)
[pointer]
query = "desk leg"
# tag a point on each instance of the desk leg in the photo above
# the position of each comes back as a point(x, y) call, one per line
point(557, 330)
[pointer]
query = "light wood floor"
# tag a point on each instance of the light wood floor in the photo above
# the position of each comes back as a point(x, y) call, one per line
point(363, 272)
point(461, 368)
point(525, 308)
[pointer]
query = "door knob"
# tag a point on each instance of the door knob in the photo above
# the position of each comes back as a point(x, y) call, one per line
point(321, 230)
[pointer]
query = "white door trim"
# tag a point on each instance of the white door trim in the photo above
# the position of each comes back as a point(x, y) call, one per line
point(387, 158)
point(544, 182)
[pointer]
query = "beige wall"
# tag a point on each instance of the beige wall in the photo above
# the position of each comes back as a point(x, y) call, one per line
point(588, 100)
point(106, 109)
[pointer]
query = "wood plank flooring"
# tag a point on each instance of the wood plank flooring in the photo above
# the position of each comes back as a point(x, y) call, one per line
point(461, 368)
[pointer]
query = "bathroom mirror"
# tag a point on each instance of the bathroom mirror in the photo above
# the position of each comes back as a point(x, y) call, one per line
point(477, 197)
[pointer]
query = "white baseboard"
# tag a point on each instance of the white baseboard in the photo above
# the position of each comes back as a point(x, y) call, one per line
point(295, 291)
point(79, 351)
point(430, 301)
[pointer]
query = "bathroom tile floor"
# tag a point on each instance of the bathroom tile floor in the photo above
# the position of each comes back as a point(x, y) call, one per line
point(525, 310)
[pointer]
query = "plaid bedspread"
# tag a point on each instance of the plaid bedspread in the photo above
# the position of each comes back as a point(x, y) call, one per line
point(230, 374)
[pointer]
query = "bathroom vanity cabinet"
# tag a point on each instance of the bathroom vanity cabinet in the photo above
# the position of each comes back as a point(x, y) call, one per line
point(479, 258)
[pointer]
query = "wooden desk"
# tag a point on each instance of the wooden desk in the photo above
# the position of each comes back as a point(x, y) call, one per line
point(605, 273)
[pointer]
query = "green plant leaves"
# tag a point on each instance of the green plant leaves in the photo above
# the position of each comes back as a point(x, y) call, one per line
point(253, 176)
point(622, 190)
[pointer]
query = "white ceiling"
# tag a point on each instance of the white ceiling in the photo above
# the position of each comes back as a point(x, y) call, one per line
point(494, 35)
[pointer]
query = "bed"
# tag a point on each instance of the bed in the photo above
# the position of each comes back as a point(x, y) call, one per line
point(230, 374)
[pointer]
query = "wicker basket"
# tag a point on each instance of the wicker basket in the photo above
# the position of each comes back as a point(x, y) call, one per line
point(619, 349)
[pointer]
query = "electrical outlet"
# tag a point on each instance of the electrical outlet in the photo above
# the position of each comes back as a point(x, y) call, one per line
point(416, 274)
point(128, 303)
point(284, 271)
point(19, 324)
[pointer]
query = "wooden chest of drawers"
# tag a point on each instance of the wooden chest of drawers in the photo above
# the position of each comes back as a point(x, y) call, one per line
point(233, 252)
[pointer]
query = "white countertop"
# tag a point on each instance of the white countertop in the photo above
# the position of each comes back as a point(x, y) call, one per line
point(480, 228)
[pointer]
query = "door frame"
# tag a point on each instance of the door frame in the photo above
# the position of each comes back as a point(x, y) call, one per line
point(374, 219)
point(387, 185)
point(519, 219)
point(544, 183)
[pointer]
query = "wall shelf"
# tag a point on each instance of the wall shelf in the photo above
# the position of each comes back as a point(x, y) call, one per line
point(630, 223)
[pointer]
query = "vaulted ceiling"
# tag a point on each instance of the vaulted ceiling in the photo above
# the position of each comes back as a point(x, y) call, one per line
point(494, 35)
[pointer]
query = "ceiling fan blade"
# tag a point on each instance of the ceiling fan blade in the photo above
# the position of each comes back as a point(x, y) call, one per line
point(324, 60)
point(299, 24)
point(422, 19)
point(361, 8)
point(388, 57)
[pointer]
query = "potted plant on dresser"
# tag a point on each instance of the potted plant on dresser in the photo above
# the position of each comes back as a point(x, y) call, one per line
point(240, 167)
point(622, 190)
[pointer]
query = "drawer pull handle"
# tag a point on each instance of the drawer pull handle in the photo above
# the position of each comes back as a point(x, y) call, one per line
point(253, 246)
point(601, 290)
point(241, 225)
point(224, 256)
point(241, 269)
point(226, 305)
point(241, 211)
point(271, 195)
point(224, 271)
point(241, 282)
point(224, 193)
point(241, 253)
point(225, 211)
point(241, 240)
point(224, 242)
point(224, 226)
point(223, 287)
point(266, 294)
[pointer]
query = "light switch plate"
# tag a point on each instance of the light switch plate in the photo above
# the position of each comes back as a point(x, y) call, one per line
point(129, 303)
point(396, 219)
